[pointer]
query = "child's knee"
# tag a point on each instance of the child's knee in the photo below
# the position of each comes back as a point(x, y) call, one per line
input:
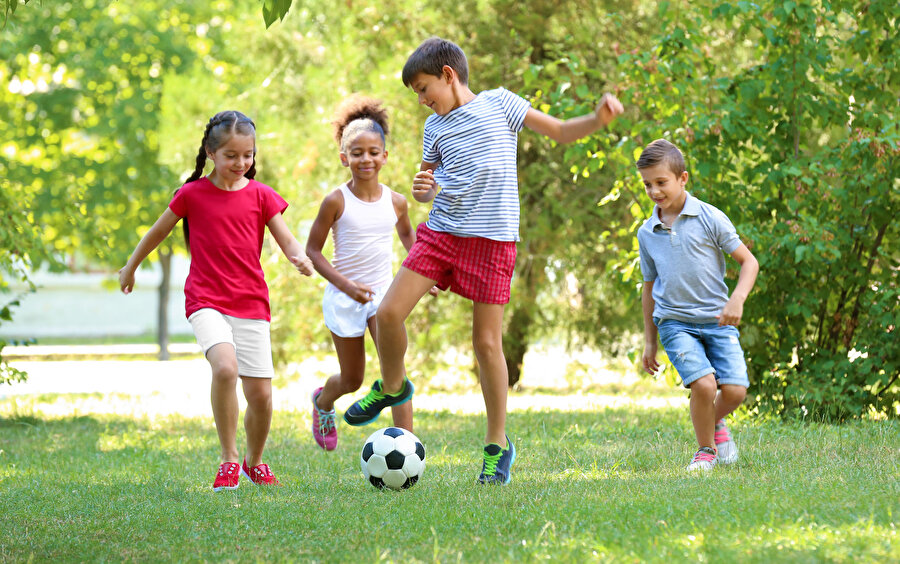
point(487, 346)
point(225, 370)
point(734, 394)
point(258, 392)
point(387, 316)
point(704, 387)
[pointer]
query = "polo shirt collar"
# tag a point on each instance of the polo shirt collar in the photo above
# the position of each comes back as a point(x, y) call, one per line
point(691, 207)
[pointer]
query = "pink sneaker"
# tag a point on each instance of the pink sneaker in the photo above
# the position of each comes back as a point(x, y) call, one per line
point(323, 427)
point(228, 476)
point(728, 453)
point(259, 475)
point(704, 459)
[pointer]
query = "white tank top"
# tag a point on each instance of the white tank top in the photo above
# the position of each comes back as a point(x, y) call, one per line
point(363, 238)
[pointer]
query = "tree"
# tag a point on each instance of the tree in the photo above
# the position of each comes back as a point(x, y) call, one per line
point(81, 111)
point(798, 143)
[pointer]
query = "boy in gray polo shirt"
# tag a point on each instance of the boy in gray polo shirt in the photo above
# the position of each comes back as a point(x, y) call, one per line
point(686, 301)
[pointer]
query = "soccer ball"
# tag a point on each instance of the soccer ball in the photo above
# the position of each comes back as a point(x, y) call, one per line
point(392, 458)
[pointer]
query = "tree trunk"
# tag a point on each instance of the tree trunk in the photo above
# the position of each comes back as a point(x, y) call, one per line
point(515, 341)
point(162, 320)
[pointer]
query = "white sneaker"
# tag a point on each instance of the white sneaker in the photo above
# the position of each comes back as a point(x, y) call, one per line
point(727, 450)
point(704, 459)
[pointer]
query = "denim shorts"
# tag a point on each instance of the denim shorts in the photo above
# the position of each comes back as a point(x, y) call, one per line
point(698, 349)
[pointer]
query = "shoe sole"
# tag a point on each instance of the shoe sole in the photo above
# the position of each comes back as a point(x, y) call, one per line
point(223, 488)
point(512, 461)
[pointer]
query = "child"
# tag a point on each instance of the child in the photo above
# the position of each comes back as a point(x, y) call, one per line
point(363, 215)
point(226, 296)
point(681, 246)
point(469, 241)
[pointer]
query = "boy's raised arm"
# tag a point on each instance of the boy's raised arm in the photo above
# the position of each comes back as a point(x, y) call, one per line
point(566, 131)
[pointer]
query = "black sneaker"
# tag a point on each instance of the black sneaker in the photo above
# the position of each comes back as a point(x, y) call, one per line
point(369, 408)
point(497, 463)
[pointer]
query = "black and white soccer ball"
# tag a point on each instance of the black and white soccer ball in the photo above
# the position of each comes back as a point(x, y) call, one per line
point(392, 458)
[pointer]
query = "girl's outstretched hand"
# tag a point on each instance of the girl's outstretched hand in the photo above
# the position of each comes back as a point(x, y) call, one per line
point(608, 108)
point(303, 264)
point(126, 280)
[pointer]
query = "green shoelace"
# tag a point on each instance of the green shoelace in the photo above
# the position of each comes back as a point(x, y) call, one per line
point(373, 396)
point(490, 463)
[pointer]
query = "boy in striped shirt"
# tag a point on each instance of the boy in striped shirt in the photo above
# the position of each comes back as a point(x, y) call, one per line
point(468, 244)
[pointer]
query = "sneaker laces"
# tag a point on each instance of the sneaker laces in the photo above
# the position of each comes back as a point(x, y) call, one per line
point(704, 456)
point(326, 421)
point(372, 397)
point(722, 434)
point(490, 463)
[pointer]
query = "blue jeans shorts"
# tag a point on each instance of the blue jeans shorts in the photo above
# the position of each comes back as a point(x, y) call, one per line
point(698, 349)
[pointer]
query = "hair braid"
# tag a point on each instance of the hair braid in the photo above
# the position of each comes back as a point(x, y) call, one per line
point(212, 140)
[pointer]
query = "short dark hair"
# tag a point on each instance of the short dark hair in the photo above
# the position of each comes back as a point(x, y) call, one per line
point(661, 151)
point(430, 58)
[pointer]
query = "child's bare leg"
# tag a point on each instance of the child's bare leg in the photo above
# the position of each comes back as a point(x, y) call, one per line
point(487, 339)
point(405, 292)
point(401, 414)
point(730, 398)
point(223, 396)
point(258, 417)
point(703, 410)
point(351, 353)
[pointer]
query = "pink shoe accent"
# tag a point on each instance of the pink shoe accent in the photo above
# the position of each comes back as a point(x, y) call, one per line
point(723, 435)
point(324, 429)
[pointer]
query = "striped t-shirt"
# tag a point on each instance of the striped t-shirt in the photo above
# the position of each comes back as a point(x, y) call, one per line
point(474, 147)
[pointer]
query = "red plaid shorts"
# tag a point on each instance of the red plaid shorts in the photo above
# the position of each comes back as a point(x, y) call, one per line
point(476, 268)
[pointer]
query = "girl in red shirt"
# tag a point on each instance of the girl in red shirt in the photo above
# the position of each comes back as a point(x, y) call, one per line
point(226, 296)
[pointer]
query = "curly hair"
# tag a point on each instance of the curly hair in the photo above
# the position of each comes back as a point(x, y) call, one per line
point(359, 114)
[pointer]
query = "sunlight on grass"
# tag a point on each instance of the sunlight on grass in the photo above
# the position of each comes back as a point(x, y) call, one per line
point(598, 476)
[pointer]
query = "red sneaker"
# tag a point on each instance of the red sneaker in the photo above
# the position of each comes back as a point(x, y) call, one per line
point(259, 475)
point(228, 477)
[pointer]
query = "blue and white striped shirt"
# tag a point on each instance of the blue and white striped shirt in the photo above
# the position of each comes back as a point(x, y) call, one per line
point(474, 147)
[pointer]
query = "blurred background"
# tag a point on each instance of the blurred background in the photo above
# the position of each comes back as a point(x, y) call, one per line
point(786, 111)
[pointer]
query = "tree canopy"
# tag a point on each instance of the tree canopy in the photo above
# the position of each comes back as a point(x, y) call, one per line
point(786, 111)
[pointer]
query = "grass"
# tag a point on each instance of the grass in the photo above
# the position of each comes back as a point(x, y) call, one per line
point(587, 485)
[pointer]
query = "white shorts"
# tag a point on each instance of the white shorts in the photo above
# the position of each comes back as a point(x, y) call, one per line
point(346, 317)
point(250, 338)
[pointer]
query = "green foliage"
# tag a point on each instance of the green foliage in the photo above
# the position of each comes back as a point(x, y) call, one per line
point(588, 485)
point(787, 114)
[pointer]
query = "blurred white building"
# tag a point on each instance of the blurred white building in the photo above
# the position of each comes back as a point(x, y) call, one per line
point(91, 304)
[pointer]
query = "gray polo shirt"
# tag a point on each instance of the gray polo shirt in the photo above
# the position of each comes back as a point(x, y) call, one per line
point(686, 263)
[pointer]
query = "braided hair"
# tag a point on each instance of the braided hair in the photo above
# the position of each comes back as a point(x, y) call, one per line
point(220, 128)
point(359, 114)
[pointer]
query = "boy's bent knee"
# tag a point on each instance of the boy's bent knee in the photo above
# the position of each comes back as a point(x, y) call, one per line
point(734, 393)
point(704, 386)
point(387, 316)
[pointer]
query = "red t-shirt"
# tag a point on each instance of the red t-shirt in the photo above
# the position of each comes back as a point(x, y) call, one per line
point(226, 236)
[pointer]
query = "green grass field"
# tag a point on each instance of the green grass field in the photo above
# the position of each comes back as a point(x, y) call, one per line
point(604, 485)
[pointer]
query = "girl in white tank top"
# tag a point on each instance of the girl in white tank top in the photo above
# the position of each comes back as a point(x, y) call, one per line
point(363, 214)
